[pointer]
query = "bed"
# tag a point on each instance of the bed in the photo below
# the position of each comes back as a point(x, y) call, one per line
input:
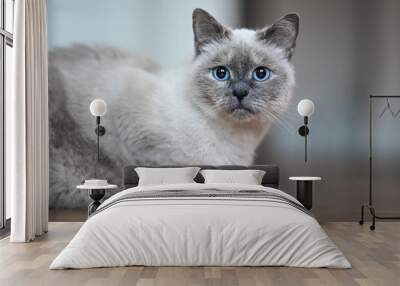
point(198, 224)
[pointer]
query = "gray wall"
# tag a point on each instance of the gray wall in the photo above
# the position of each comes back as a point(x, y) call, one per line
point(346, 50)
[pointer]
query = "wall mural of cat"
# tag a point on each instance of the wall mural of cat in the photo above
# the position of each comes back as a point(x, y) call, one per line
point(216, 110)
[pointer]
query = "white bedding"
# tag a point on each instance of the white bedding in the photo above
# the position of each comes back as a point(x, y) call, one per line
point(200, 231)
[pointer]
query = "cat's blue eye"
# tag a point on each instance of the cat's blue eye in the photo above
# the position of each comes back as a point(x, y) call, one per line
point(261, 74)
point(221, 73)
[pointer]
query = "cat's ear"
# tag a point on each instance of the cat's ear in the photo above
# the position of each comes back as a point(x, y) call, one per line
point(206, 29)
point(283, 33)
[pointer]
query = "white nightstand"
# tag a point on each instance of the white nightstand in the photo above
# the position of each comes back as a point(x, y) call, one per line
point(96, 193)
point(305, 189)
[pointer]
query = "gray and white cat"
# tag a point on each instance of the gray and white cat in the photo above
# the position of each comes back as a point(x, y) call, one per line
point(214, 111)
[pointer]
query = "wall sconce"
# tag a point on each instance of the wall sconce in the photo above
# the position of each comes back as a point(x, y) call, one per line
point(98, 108)
point(305, 108)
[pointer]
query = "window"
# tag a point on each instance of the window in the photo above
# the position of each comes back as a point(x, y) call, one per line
point(6, 44)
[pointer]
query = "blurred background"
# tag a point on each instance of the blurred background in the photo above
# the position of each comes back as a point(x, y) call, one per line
point(346, 50)
point(158, 29)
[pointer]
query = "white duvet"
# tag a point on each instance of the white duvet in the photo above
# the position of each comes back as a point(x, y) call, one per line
point(200, 231)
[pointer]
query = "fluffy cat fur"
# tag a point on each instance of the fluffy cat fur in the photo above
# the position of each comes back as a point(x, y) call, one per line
point(162, 116)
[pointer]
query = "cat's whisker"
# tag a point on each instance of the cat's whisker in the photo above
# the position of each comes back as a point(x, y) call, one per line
point(274, 119)
point(278, 121)
point(284, 120)
point(282, 124)
point(289, 126)
point(284, 117)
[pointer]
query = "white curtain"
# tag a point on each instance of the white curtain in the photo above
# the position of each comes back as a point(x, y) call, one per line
point(28, 122)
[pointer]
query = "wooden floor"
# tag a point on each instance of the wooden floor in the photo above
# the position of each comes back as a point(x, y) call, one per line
point(375, 257)
point(70, 215)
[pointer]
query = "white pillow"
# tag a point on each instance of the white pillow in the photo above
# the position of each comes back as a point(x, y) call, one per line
point(248, 177)
point(163, 176)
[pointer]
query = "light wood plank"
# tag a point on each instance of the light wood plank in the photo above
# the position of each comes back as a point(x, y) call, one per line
point(375, 257)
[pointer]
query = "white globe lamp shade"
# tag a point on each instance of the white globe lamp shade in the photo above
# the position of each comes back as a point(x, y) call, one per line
point(305, 107)
point(98, 107)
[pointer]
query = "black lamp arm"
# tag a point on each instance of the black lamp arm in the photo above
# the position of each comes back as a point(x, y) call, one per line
point(100, 131)
point(304, 131)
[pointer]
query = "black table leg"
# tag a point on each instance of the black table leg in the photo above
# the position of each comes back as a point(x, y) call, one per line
point(96, 196)
point(304, 193)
